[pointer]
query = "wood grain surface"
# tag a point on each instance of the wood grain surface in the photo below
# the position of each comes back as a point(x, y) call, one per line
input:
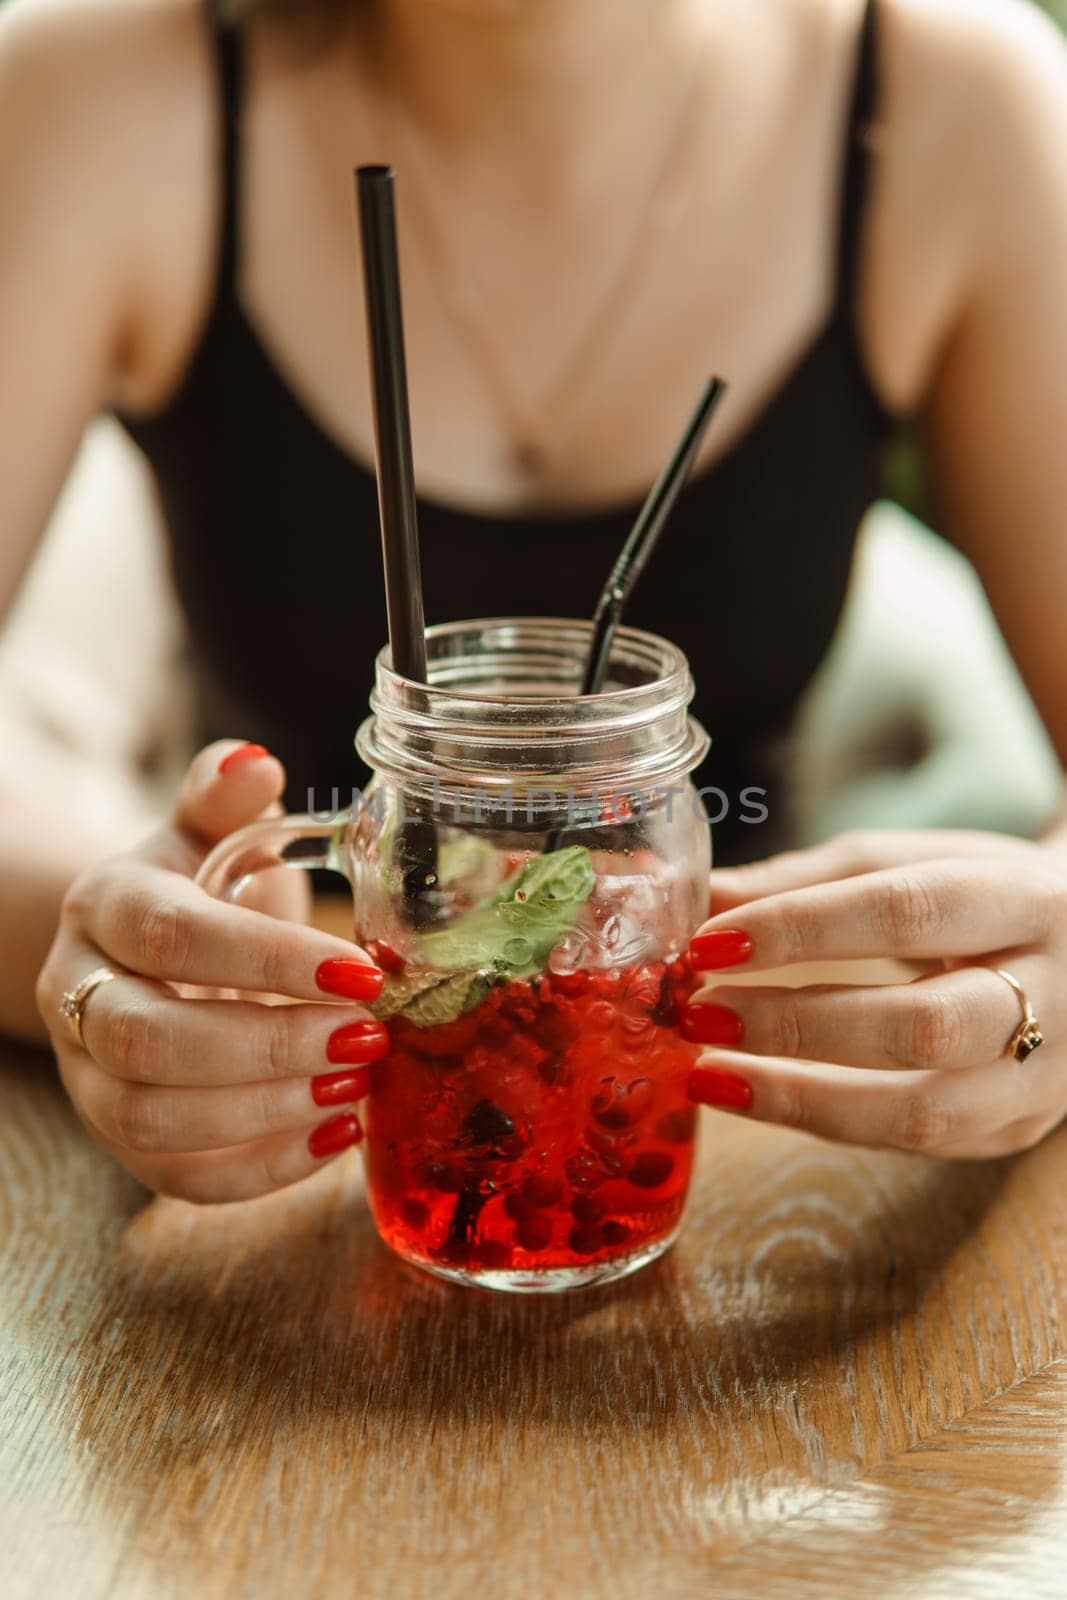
point(850, 1376)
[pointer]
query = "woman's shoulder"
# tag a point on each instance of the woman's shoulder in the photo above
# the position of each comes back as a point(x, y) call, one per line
point(108, 117)
point(970, 142)
point(95, 49)
point(976, 94)
point(973, 62)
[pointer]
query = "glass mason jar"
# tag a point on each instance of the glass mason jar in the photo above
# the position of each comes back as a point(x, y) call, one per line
point(528, 866)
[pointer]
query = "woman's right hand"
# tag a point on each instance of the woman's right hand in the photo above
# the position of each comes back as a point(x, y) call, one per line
point(209, 1099)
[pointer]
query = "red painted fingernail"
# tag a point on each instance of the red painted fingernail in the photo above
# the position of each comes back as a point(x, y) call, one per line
point(726, 947)
point(710, 1086)
point(340, 1088)
point(711, 1024)
point(246, 752)
point(358, 1041)
point(329, 1138)
point(353, 980)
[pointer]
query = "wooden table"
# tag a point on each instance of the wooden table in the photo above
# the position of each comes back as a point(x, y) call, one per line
point(849, 1378)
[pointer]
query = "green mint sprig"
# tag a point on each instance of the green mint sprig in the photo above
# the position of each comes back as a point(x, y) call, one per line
point(507, 937)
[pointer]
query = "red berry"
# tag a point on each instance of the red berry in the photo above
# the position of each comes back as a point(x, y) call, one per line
point(516, 1207)
point(588, 1207)
point(542, 1191)
point(383, 955)
point(570, 983)
point(636, 1024)
point(414, 1213)
point(535, 1231)
point(600, 1016)
point(619, 1105)
point(585, 1238)
point(651, 1169)
point(677, 1127)
point(554, 1027)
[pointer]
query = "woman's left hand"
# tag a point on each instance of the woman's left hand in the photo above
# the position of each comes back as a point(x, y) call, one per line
point(921, 1065)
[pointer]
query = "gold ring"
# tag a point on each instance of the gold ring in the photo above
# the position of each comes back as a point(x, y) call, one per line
point(72, 1006)
point(1028, 1036)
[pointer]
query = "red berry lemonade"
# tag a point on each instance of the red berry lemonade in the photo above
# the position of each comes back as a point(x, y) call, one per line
point(547, 1128)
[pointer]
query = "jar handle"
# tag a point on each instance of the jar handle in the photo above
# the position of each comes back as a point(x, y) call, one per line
point(292, 841)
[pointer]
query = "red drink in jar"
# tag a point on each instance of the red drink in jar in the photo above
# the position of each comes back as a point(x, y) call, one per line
point(528, 865)
point(547, 1129)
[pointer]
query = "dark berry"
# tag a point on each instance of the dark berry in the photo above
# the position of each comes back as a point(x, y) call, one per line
point(553, 1029)
point(445, 1179)
point(516, 1207)
point(542, 1192)
point(618, 1105)
point(535, 1231)
point(485, 1123)
point(615, 1233)
point(677, 1127)
point(414, 1213)
point(588, 1207)
point(495, 1035)
point(585, 1238)
point(651, 1169)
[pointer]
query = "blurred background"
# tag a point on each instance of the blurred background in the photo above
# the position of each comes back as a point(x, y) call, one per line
point(917, 717)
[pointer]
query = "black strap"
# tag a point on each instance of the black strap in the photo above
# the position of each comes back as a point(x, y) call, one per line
point(230, 64)
point(864, 108)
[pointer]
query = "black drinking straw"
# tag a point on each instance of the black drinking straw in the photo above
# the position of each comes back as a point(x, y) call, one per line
point(416, 845)
point(392, 422)
point(635, 553)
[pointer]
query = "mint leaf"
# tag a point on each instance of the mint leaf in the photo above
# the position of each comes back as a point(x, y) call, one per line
point(402, 990)
point(514, 930)
point(508, 936)
point(427, 997)
point(463, 858)
point(460, 992)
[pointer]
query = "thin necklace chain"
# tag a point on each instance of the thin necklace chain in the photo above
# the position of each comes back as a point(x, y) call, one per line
point(461, 300)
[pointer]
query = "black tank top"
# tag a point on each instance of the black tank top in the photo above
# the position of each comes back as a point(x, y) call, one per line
point(274, 535)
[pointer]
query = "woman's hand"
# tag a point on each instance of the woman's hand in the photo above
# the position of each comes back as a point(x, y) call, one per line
point(208, 1099)
point(916, 1066)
